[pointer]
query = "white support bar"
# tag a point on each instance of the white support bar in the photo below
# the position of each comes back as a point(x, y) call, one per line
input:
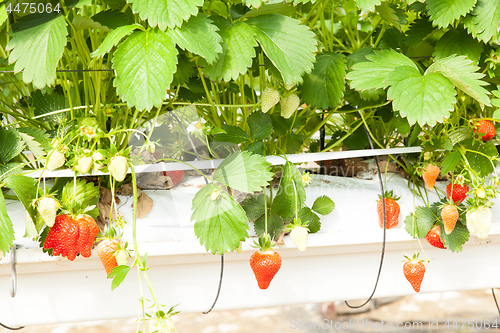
point(212, 164)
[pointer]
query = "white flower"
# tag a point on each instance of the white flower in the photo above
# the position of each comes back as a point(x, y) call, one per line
point(363, 15)
point(197, 126)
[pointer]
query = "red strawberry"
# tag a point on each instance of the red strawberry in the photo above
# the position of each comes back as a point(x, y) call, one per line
point(265, 265)
point(106, 251)
point(449, 214)
point(434, 237)
point(414, 271)
point(487, 128)
point(459, 192)
point(174, 177)
point(391, 211)
point(62, 237)
point(430, 175)
point(88, 231)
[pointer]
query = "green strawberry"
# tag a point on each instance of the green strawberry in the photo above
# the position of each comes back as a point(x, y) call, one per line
point(162, 325)
point(55, 160)
point(47, 207)
point(85, 164)
point(122, 257)
point(270, 97)
point(289, 105)
point(118, 168)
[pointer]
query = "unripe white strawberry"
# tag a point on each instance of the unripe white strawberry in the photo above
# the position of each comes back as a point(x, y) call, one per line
point(56, 160)
point(122, 257)
point(479, 221)
point(270, 97)
point(118, 168)
point(85, 164)
point(162, 325)
point(47, 208)
point(299, 237)
point(289, 105)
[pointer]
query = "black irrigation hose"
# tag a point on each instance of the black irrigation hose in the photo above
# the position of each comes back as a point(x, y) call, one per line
point(495, 298)
point(383, 242)
point(12, 328)
point(206, 182)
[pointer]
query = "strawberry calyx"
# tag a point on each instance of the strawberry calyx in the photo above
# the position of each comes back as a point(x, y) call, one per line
point(264, 243)
point(297, 223)
point(389, 195)
point(415, 258)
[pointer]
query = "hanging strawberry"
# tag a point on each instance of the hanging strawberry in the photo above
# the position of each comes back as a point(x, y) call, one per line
point(391, 210)
point(270, 97)
point(265, 263)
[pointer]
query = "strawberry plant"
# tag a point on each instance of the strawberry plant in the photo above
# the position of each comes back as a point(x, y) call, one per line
point(97, 87)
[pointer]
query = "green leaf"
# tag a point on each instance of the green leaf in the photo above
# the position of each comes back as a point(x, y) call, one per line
point(78, 195)
point(455, 240)
point(244, 172)
point(115, 4)
point(114, 38)
point(43, 35)
point(425, 219)
point(256, 147)
point(45, 103)
point(291, 192)
point(38, 134)
point(11, 145)
point(323, 205)
point(82, 23)
point(112, 19)
point(450, 162)
point(307, 215)
point(145, 64)
point(280, 37)
point(275, 8)
point(392, 14)
point(458, 42)
point(199, 36)
point(25, 189)
point(325, 86)
point(372, 74)
point(460, 134)
point(220, 224)
point(33, 145)
point(3, 14)
point(184, 71)
point(482, 23)
point(445, 12)
point(293, 142)
point(418, 31)
point(253, 205)
point(260, 125)
point(165, 13)
point(274, 226)
point(480, 163)
point(10, 169)
point(424, 99)
point(253, 3)
point(119, 273)
point(368, 5)
point(462, 73)
point(232, 134)
point(6, 228)
point(238, 49)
